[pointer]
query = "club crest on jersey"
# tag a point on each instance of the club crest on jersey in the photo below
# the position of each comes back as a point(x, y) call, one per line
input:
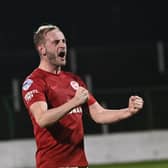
point(27, 83)
point(75, 85)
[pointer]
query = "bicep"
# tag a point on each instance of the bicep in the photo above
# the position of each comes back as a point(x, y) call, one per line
point(38, 109)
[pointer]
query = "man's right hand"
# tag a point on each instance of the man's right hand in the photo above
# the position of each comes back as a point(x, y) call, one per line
point(81, 96)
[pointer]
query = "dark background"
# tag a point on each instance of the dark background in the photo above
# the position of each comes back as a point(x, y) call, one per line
point(116, 43)
point(84, 22)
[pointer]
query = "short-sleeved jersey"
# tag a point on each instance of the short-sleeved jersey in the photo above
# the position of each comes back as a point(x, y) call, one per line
point(61, 144)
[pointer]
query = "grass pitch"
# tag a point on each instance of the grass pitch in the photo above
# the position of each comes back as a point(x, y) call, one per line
point(150, 164)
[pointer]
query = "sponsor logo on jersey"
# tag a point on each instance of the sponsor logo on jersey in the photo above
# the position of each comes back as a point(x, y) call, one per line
point(29, 95)
point(75, 85)
point(76, 110)
point(27, 83)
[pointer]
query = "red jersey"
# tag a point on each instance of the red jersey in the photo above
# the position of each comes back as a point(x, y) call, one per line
point(62, 144)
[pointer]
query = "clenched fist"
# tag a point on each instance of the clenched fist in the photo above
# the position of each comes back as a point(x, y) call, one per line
point(135, 104)
point(81, 95)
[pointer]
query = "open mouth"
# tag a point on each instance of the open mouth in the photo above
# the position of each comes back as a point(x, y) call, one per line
point(61, 54)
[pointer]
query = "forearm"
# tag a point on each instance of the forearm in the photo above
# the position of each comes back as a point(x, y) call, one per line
point(46, 117)
point(105, 116)
point(53, 115)
point(102, 115)
point(109, 116)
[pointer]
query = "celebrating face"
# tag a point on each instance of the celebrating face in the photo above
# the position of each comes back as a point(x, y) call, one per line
point(54, 48)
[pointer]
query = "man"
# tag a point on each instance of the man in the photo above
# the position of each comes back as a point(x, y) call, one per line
point(55, 101)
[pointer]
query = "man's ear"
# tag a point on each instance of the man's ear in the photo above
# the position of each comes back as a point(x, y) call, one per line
point(42, 50)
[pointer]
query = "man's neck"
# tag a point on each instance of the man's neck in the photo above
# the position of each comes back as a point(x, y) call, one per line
point(51, 69)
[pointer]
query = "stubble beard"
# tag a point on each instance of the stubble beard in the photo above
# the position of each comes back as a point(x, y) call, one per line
point(55, 60)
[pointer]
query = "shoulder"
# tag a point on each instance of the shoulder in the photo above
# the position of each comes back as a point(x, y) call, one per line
point(36, 75)
point(34, 78)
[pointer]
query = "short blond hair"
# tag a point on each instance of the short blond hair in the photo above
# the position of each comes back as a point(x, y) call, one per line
point(39, 35)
